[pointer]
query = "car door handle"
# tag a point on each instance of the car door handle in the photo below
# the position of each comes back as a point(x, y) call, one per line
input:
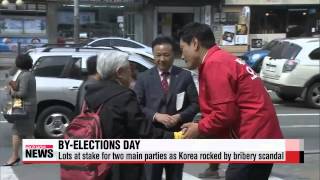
point(73, 88)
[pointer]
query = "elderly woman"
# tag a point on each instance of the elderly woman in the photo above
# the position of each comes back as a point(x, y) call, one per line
point(25, 88)
point(120, 116)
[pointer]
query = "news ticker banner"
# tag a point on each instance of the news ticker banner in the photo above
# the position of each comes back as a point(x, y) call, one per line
point(163, 151)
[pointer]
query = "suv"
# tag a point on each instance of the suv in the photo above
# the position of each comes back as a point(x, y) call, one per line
point(59, 73)
point(292, 69)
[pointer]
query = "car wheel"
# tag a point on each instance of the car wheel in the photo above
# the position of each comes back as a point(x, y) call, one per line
point(52, 121)
point(313, 95)
point(286, 97)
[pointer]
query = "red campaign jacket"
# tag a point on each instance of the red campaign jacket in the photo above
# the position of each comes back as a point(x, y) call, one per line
point(233, 100)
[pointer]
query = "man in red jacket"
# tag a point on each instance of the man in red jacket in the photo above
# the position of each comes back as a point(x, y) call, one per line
point(233, 100)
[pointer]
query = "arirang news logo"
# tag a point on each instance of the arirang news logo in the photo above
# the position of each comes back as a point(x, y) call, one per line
point(39, 151)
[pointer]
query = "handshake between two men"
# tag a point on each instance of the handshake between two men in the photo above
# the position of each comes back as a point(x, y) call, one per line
point(189, 130)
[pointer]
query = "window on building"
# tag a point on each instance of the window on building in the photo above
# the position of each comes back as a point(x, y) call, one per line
point(267, 20)
point(293, 20)
point(232, 18)
point(129, 26)
point(95, 21)
point(18, 25)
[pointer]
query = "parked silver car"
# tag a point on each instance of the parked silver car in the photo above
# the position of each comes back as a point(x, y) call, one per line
point(119, 42)
point(59, 73)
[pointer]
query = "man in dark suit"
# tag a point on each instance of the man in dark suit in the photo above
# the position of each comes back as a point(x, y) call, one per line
point(168, 97)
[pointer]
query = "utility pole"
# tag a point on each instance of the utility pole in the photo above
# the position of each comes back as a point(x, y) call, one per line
point(76, 22)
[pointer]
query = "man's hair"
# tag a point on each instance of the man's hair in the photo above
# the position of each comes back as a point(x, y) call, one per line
point(92, 65)
point(24, 62)
point(202, 32)
point(108, 63)
point(164, 40)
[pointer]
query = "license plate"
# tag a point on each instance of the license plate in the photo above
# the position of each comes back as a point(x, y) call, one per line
point(271, 68)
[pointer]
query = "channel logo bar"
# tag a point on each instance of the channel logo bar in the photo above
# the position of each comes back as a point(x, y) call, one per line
point(144, 151)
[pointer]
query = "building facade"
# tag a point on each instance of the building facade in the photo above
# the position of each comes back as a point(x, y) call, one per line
point(271, 19)
point(238, 25)
point(25, 23)
point(98, 18)
point(141, 20)
point(167, 17)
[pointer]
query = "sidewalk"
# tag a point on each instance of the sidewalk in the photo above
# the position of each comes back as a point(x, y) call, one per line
point(3, 76)
point(7, 60)
point(309, 170)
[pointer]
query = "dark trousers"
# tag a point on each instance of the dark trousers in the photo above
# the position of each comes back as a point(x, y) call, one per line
point(214, 167)
point(248, 171)
point(126, 172)
point(173, 171)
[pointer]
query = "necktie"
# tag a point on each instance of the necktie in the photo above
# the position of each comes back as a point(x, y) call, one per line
point(164, 82)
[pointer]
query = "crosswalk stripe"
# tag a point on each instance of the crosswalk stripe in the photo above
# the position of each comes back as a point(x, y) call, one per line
point(7, 173)
point(302, 114)
point(301, 126)
point(187, 176)
point(274, 178)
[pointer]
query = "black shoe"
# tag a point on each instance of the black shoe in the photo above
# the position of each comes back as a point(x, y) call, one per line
point(13, 163)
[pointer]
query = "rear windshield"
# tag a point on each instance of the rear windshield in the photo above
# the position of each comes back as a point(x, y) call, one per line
point(285, 50)
point(270, 45)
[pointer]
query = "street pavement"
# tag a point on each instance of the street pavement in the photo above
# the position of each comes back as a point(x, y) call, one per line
point(297, 122)
point(6, 59)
